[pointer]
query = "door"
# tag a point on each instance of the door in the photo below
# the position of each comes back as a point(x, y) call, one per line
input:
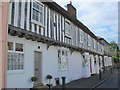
point(90, 65)
point(37, 66)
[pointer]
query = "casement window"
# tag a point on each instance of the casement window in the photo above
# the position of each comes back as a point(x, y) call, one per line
point(98, 46)
point(94, 43)
point(15, 56)
point(37, 12)
point(62, 59)
point(102, 47)
point(68, 40)
point(67, 28)
point(81, 36)
point(85, 60)
point(89, 40)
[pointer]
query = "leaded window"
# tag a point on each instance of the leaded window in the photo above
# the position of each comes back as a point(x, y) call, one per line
point(37, 12)
point(15, 56)
point(67, 28)
point(62, 59)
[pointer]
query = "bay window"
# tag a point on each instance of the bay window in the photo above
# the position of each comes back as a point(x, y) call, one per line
point(15, 56)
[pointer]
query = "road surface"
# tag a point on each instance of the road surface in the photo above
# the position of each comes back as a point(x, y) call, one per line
point(112, 82)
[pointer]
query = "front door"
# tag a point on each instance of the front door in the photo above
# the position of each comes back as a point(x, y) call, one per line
point(37, 66)
point(90, 65)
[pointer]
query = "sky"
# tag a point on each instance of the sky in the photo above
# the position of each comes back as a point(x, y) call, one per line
point(99, 16)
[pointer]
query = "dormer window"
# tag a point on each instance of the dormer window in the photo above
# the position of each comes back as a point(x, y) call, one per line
point(37, 13)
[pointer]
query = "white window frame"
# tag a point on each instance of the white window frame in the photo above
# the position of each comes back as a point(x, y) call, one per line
point(89, 40)
point(81, 35)
point(34, 21)
point(98, 46)
point(13, 51)
point(66, 30)
point(94, 43)
point(62, 57)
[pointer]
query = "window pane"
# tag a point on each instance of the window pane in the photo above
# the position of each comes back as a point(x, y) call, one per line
point(10, 45)
point(15, 61)
point(35, 15)
point(38, 12)
point(67, 28)
point(19, 47)
point(41, 18)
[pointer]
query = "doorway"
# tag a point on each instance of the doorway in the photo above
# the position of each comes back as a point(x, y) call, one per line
point(90, 65)
point(37, 66)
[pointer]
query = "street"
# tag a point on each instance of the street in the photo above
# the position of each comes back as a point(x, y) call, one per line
point(112, 82)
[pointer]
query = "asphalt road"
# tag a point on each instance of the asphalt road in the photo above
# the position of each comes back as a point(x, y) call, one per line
point(112, 82)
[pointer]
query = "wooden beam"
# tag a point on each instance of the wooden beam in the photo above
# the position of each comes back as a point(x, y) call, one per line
point(15, 31)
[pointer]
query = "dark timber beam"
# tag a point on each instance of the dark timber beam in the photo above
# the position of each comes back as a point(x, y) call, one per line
point(15, 31)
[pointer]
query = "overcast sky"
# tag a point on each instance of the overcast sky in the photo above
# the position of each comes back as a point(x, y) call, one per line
point(100, 17)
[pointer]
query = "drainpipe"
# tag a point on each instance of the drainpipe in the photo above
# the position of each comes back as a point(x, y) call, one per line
point(4, 7)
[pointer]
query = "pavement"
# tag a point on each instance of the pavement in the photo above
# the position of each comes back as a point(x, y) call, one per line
point(91, 82)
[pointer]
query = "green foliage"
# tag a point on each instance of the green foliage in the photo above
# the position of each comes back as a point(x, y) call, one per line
point(115, 59)
point(114, 46)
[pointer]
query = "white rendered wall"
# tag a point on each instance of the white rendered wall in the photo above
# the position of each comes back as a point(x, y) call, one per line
point(49, 65)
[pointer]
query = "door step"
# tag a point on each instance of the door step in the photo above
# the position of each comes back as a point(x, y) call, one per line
point(40, 86)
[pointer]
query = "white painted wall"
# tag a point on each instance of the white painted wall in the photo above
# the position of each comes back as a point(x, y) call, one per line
point(49, 65)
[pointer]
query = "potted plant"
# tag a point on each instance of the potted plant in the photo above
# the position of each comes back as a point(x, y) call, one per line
point(49, 77)
point(33, 79)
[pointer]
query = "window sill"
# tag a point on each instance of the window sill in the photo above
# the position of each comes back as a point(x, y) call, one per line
point(81, 42)
point(63, 70)
point(68, 36)
point(10, 72)
point(36, 22)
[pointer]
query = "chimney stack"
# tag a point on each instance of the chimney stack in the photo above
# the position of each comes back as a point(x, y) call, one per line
point(71, 10)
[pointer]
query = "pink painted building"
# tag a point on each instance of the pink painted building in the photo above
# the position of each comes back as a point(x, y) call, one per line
point(3, 41)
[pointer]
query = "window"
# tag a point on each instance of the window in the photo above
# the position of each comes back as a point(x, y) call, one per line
point(89, 40)
point(62, 59)
point(15, 56)
point(18, 47)
point(68, 40)
point(98, 46)
point(85, 60)
point(102, 48)
point(67, 28)
point(37, 12)
point(81, 36)
point(94, 44)
point(10, 45)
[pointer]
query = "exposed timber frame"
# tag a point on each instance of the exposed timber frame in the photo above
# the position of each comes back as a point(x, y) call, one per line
point(15, 31)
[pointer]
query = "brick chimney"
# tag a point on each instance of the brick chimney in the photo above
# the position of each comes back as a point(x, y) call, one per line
point(71, 10)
